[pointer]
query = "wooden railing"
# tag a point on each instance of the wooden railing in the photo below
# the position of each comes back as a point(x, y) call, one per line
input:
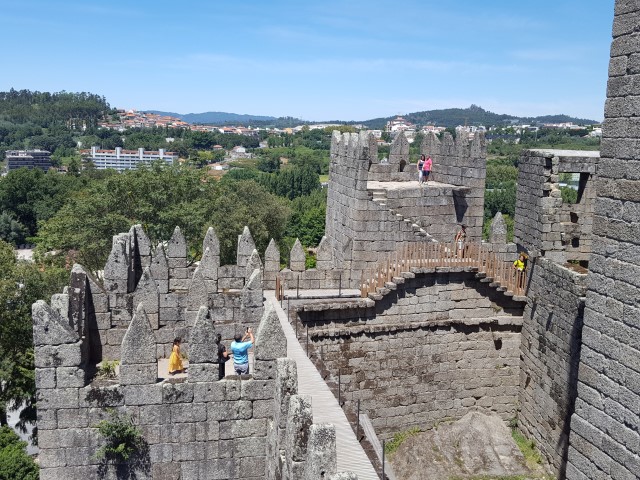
point(279, 288)
point(433, 255)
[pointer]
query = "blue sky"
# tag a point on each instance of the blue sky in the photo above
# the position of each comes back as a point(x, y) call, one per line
point(317, 60)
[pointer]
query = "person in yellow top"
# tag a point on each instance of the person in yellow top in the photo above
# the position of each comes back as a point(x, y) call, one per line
point(519, 263)
point(175, 360)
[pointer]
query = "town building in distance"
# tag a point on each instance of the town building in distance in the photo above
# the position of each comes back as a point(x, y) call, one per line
point(120, 159)
point(28, 159)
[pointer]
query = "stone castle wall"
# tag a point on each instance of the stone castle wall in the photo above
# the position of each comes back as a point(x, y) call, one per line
point(550, 353)
point(362, 227)
point(436, 346)
point(544, 224)
point(605, 430)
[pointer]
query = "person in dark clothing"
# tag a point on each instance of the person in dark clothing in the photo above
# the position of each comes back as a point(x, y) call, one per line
point(223, 356)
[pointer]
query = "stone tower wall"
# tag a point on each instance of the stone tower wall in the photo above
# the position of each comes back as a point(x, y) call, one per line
point(605, 430)
point(544, 224)
point(550, 353)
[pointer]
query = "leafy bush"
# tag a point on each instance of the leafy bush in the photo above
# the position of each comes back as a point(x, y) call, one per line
point(15, 463)
point(108, 369)
point(122, 437)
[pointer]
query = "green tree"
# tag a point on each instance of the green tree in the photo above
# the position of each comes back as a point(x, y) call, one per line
point(21, 284)
point(15, 463)
point(247, 203)
point(12, 231)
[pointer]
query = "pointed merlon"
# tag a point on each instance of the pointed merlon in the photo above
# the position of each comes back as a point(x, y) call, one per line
point(211, 242)
point(322, 459)
point(246, 245)
point(252, 293)
point(209, 265)
point(479, 145)
point(400, 146)
point(177, 247)
point(498, 229)
point(323, 254)
point(146, 292)
point(297, 258)
point(272, 257)
point(139, 342)
point(142, 240)
point(430, 146)
point(253, 263)
point(198, 295)
point(448, 146)
point(116, 270)
point(49, 328)
point(159, 265)
point(271, 342)
point(202, 340)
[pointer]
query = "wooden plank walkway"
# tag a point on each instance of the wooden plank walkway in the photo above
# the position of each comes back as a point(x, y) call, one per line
point(351, 456)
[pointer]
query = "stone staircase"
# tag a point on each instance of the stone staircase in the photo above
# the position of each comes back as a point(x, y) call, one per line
point(379, 196)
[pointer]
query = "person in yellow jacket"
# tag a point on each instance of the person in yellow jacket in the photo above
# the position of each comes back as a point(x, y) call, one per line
point(175, 360)
point(519, 263)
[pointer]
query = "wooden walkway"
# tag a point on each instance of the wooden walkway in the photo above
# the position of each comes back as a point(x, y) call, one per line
point(351, 456)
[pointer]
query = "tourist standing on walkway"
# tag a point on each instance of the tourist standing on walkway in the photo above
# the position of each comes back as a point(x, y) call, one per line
point(461, 237)
point(175, 359)
point(240, 349)
point(420, 165)
point(223, 356)
point(426, 169)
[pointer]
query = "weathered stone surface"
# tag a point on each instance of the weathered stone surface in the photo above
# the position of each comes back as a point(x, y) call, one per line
point(272, 257)
point(253, 263)
point(202, 341)
point(209, 265)
point(60, 303)
point(498, 231)
point(453, 451)
point(299, 420)
point(142, 240)
point(252, 294)
point(146, 293)
point(246, 246)
point(271, 342)
point(321, 452)
point(159, 266)
point(139, 342)
point(286, 386)
point(198, 292)
point(116, 270)
point(49, 328)
point(177, 246)
point(297, 259)
point(323, 255)
point(344, 476)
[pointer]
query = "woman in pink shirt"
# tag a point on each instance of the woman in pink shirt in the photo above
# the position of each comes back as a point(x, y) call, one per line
point(426, 169)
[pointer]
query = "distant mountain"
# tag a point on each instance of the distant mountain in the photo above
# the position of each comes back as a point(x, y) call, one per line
point(474, 115)
point(448, 117)
point(216, 117)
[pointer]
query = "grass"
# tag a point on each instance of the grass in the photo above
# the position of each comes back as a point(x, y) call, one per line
point(324, 178)
point(392, 445)
point(528, 448)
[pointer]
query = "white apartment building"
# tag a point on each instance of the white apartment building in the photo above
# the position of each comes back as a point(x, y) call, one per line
point(120, 159)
